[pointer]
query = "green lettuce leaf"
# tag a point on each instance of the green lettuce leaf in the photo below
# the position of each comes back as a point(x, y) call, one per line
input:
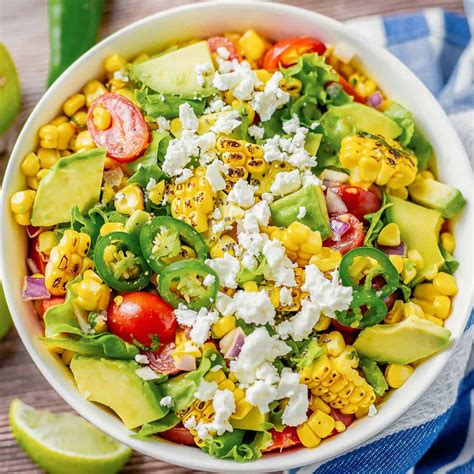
point(422, 149)
point(311, 353)
point(90, 223)
point(376, 222)
point(405, 291)
point(337, 94)
point(158, 426)
point(246, 274)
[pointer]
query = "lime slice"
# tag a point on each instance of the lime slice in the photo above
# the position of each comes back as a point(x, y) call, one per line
point(10, 94)
point(62, 442)
point(5, 318)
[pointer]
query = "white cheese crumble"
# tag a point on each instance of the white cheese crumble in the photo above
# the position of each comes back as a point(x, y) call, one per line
point(258, 215)
point(266, 102)
point(242, 194)
point(372, 410)
point(216, 105)
point(214, 174)
point(223, 404)
point(237, 77)
point(226, 268)
point(302, 323)
point(187, 117)
point(286, 298)
point(184, 176)
point(254, 307)
point(200, 322)
point(203, 70)
point(206, 390)
point(256, 132)
point(223, 52)
point(227, 122)
point(286, 182)
point(163, 123)
point(292, 125)
point(309, 179)
point(142, 359)
point(268, 197)
point(209, 279)
point(295, 411)
point(301, 212)
point(145, 373)
point(166, 402)
point(190, 423)
point(261, 394)
point(280, 267)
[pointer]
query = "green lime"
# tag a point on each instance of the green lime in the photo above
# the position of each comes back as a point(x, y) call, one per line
point(62, 442)
point(5, 318)
point(10, 93)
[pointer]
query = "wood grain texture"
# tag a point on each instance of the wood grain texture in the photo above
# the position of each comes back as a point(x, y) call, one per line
point(23, 28)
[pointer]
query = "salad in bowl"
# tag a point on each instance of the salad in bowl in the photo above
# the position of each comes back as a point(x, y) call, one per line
point(237, 244)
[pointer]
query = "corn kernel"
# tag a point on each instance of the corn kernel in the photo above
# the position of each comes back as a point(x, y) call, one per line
point(223, 326)
point(425, 291)
point(65, 133)
point(401, 193)
point(412, 309)
point(22, 201)
point(425, 174)
point(92, 90)
point(426, 306)
point(441, 307)
point(397, 374)
point(47, 241)
point(318, 404)
point(308, 438)
point(129, 199)
point(252, 45)
point(250, 286)
point(48, 136)
point(23, 218)
point(115, 63)
point(389, 235)
point(225, 244)
point(448, 241)
point(434, 319)
point(59, 120)
point(73, 104)
point(416, 257)
point(321, 423)
point(30, 165)
point(32, 182)
point(109, 227)
point(445, 284)
point(47, 157)
point(80, 119)
point(101, 118)
point(333, 343)
point(84, 141)
point(397, 262)
point(323, 323)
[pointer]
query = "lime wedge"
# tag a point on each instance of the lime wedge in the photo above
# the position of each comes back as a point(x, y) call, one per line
point(62, 442)
point(5, 318)
point(10, 93)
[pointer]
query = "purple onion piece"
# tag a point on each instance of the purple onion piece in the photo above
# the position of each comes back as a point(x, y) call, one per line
point(35, 289)
point(375, 99)
point(334, 203)
point(32, 266)
point(231, 344)
point(396, 250)
point(339, 228)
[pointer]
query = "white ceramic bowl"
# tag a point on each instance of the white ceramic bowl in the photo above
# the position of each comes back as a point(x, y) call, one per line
point(275, 21)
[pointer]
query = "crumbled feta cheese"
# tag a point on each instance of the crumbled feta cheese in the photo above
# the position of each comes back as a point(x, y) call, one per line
point(203, 70)
point(163, 123)
point(227, 122)
point(216, 105)
point(185, 316)
point(214, 174)
point(226, 268)
point(224, 304)
point(301, 212)
point(254, 307)
point(209, 279)
point(267, 101)
point(184, 176)
point(372, 410)
point(223, 52)
point(206, 390)
point(151, 183)
point(261, 394)
point(242, 194)
point(166, 402)
point(145, 373)
point(302, 323)
point(295, 411)
point(286, 182)
point(286, 298)
point(314, 125)
point(268, 197)
point(121, 75)
point(217, 214)
point(268, 373)
point(288, 384)
point(309, 179)
point(190, 423)
point(292, 125)
point(187, 117)
point(113, 177)
point(256, 132)
point(204, 320)
point(258, 215)
point(142, 359)
point(223, 404)
point(280, 267)
point(237, 77)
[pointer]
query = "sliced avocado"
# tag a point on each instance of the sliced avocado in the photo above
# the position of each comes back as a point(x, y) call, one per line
point(285, 210)
point(313, 140)
point(374, 375)
point(174, 73)
point(115, 384)
point(74, 180)
point(439, 196)
point(5, 318)
point(419, 229)
point(10, 93)
point(253, 421)
point(402, 343)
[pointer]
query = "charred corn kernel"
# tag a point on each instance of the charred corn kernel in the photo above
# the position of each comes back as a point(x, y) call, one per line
point(92, 90)
point(252, 45)
point(73, 104)
point(156, 192)
point(318, 404)
point(389, 235)
point(65, 133)
point(326, 259)
point(445, 284)
point(425, 291)
point(323, 323)
point(291, 85)
point(30, 165)
point(264, 181)
point(46, 241)
point(321, 423)
point(397, 262)
point(109, 227)
point(115, 63)
point(48, 136)
point(84, 141)
point(66, 260)
point(92, 293)
point(447, 241)
point(375, 160)
point(333, 343)
point(22, 201)
point(101, 118)
point(250, 286)
point(223, 326)
point(416, 258)
point(441, 307)
point(411, 309)
point(129, 199)
point(308, 438)
point(238, 104)
point(397, 374)
point(80, 119)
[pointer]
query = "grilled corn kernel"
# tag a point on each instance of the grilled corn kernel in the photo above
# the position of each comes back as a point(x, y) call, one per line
point(84, 141)
point(308, 438)
point(323, 323)
point(65, 133)
point(48, 136)
point(92, 90)
point(115, 63)
point(397, 262)
point(441, 307)
point(30, 165)
point(101, 118)
point(333, 343)
point(22, 201)
point(448, 241)
point(92, 293)
point(47, 241)
point(445, 284)
point(156, 192)
point(318, 404)
point(389, 235)
point(397, 374)
point(252, 45)
point(223, 326)
point(129, 199)
point(73, 104)
point(250, 286)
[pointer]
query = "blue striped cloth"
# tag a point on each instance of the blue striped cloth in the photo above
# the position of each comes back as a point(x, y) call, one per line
point(437, 434)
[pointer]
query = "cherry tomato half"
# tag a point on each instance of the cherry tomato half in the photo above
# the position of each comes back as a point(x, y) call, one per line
point(127, 136)
point(282, 440)
point(378, 283)
point(140, 316)
point(348, 89)
point(39, 258)
point(344, 329)
point(351, 239)
point(216, 42)
point(178, 434)
point(359, 201)
point(162, 361)
point(286, 52)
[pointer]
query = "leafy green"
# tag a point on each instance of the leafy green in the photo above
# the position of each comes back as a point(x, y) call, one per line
point(337, 94)
point(306, 108)
point(241, 132)
point(90, 223)
point(405, 291)
point(158, 105)
point(310, 354)
point(374, 375)
point(336, 127)
point(273, 126)
point(148, 429)
point(231, 445)
point(422, 149)
point(245, 274)
point(327, 157)
point(450, 263)
point(100, 345)
point(376, 223)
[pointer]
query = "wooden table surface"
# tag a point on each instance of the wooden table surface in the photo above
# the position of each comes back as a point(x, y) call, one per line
point(23, 28)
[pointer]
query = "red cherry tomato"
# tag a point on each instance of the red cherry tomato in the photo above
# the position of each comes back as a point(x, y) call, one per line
point(286, 52)
point(348, 89)
point(39, 258)
point(344, 329)
point(162, 361)
point(127, 136)
point(178, 434)
point(140, 316)
point(216, 42)
point(351, 239)
point(359, 201)
point(53, 301)
point(282, 440)
point(378, 283)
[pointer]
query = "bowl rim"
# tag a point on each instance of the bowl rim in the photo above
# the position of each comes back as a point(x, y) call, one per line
point(157, 450)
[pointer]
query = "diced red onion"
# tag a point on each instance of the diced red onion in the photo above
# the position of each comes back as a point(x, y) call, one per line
point(375, 99)
point(339, 228)
point(334, 203)
point(231, 344)
point(185, 362)
point(32, 266)
point(33, 231)
point(396, 250)
point(334, 176)
point(35, 289)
